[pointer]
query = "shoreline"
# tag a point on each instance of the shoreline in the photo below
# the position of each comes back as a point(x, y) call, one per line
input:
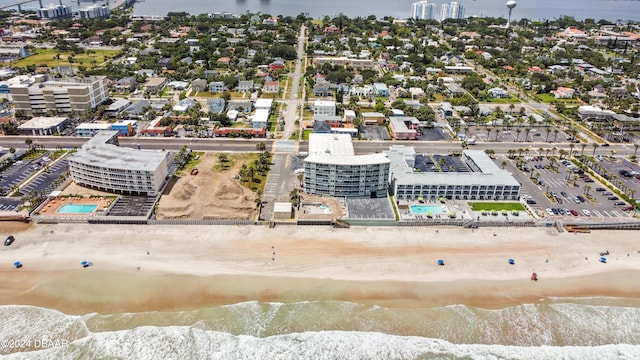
point(191, 267)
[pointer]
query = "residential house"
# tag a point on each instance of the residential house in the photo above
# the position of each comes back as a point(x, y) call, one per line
point(380, 89)
point(324, 107)
point(199, 85)
point(271, 87)
point(215, 106)
point(321, 88)
point(245, 86)
point(217, 87)
point(563, 93)
point(125, 84)
point(154, 84)
point(373, 118)
point(497, 92)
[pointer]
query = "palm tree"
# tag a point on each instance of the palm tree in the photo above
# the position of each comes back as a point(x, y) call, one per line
point(555, 134)
point(28, 142)
point(595, 146)
point(518, 131)
point(548, 130)
point(553, 151)
point(526, 136)
point(504, 164)
point(635, 148)
point(583, 146)
point(571, 146)
point(586, 189)
point(12, 150)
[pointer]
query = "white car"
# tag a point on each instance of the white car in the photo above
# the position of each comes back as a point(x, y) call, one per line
point(549, 211)
point(586, 212)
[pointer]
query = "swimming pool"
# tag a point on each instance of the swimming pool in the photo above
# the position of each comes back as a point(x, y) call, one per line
point(77, 209)
point(429, 209)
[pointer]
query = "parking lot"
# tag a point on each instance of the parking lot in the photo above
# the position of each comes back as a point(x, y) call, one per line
point(500, 134)
point(571, 195)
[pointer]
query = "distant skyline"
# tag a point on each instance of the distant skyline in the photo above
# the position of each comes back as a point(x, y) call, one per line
point(611, 10)
point(426, 10)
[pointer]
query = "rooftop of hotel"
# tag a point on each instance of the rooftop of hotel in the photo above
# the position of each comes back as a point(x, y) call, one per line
point(405, 169)
point(337, 149)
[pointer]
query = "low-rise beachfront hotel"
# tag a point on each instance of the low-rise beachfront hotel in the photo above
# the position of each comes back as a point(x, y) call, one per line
point(473, 176)
point(101, 164)
point(332, 169)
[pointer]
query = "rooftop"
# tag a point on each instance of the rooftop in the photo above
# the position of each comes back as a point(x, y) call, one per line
point(337, 149)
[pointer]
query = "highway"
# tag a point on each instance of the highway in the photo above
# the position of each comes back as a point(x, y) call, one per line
point(361, 147)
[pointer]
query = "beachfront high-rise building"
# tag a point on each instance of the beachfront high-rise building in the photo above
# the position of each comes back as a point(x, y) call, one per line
point(423, 10)
point(103, 165)
point(333, 169)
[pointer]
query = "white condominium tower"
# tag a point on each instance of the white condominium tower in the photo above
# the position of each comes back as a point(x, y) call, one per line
point(422, 10)
point(454, 10)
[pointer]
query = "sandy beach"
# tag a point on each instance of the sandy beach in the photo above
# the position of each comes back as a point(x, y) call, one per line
point(154, 268)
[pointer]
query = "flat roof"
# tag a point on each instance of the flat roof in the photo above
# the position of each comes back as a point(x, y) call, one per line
point(96, 152)
point(337, 149)
point(43, 122)
point(261, 115)
point(324, 103)
point(264, 103)
point(118, 104)
point(93, 126)
point(402, 158)
point(282, 207)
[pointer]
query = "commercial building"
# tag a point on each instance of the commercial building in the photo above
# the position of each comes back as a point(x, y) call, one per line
point(61, 96)
point(332, 169)
point(43, 126)
point(90, 129)
point(399, 129)
point(101, 164)
point(473, 176)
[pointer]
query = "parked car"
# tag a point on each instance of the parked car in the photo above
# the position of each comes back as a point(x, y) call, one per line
point(531, 202)
point(627, 208)
point(586, 212)
point(600, 189)
point(612, 198)
point(619, 203)
point(549, 211)
point(9, 240)
point(574, 213)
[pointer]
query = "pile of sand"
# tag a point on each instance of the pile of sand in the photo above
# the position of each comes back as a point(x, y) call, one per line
point(210, 195)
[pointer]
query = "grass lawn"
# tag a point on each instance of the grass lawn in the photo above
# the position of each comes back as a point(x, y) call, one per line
point(47, 57)
point(510, 100)
point(497, 206)
point(305, 134)
point(194, 160)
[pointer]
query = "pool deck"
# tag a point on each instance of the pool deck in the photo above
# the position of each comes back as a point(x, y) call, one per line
point(55, 203)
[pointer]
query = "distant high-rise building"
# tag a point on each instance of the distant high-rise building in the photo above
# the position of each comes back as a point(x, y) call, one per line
point(456, 10)
point(422, 10)
point(444, 12)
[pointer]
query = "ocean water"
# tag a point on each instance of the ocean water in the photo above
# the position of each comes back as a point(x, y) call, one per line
point(531, 9)
point(564, 328)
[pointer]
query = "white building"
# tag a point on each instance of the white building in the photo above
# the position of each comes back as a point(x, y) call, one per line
point(61, 96)
point(324, 107)
point(456, 10)
point(94, 12)
point(260, 119)
point(101, 164)
point(90, 129)
point(332, 169)
point(264, 104)
point(53, 11)
point(422, 10)
point(475, 177)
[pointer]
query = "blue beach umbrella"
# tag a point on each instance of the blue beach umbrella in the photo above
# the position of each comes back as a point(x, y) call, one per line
point(17, 264)
point(512, 261)
point(603, 260)
point(83, 263)
point(441, 262)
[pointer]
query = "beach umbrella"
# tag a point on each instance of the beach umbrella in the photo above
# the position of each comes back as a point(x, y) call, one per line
point(603, 260)
point(441, 262)
point(17, 264)
point(512, 261)
point(83, 263)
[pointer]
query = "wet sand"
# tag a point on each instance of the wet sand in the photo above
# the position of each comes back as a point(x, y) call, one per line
point(190, 267)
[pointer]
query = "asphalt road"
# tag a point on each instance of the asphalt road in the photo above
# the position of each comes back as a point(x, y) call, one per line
point(361, 147)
